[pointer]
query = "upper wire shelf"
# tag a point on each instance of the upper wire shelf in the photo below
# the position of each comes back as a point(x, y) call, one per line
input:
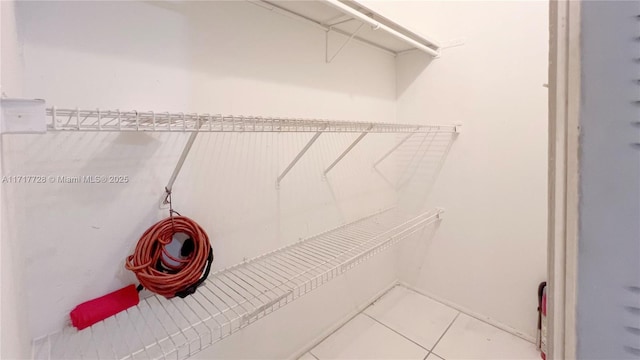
point(233, 298)
point(116, 120)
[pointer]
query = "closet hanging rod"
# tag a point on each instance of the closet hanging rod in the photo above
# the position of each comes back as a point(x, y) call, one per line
point(271, 6)
point(66, 119)
point(348, 13)
point(377, 25)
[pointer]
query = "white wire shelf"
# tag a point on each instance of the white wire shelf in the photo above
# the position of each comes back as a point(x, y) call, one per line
point(344, 17)
point(234, 297)
point(116, 120)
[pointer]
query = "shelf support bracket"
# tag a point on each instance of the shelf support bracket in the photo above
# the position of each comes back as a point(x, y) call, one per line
point(386, 155)
point(181, 160)
point(329, 60)
point(297, 158)
point(346, 151)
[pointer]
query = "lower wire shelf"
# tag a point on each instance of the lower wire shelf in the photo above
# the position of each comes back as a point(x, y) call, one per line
point(232, 298)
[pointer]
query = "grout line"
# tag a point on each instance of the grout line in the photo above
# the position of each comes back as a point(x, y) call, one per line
point(467, 312)
point(425, 358)
point(310, 353)
point(395, 331)
point(380, 297)
point(353, 317)
point(445, 332)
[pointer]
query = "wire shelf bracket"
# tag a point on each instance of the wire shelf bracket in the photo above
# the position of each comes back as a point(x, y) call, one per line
point(183, 157)
point(233, 298)
point(297, 158)
point(344, 153)
point(328, 58)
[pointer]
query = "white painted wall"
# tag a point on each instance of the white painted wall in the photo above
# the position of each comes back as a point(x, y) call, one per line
point(14, 333)
point(489, 255)
point(222, 57)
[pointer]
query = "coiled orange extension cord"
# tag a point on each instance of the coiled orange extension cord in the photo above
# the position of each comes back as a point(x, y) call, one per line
point(151, 247)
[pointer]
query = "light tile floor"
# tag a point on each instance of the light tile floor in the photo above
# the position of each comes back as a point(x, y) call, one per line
point(403, 324)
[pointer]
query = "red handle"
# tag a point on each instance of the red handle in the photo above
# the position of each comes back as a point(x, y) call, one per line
point(93, 311)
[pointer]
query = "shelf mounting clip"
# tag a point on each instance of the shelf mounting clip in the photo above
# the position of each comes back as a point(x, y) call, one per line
point(22, 116)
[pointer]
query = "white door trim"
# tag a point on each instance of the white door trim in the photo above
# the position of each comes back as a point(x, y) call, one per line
point(564, 104)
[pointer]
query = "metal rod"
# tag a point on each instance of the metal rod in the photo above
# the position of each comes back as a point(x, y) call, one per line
point(54, 117)
point(290, 14)
point(393, 149)
point(144, 319)
point(344, 153)
point(298, 157)
point(326, 53)
point(176, 171)
point(162, 325)
point(356, 14)
point(340, 19)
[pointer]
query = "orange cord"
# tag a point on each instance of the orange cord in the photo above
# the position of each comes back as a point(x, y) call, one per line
point(151, 247)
